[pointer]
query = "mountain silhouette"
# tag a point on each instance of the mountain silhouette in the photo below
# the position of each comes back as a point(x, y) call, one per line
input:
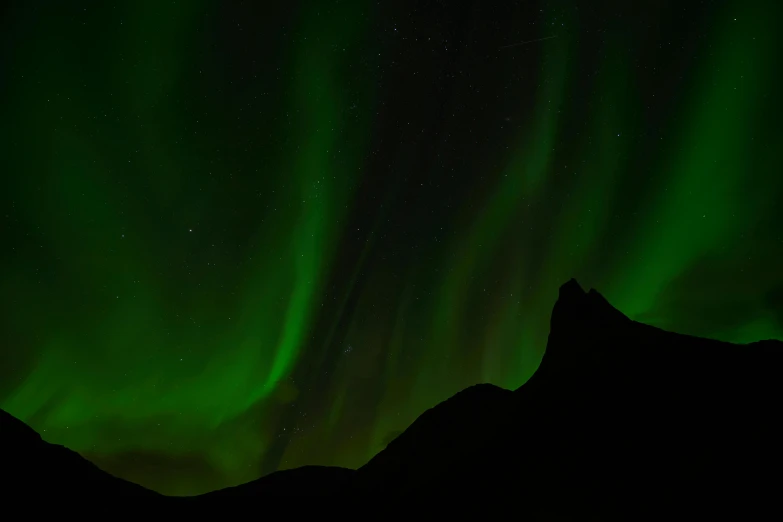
point(33, 468)
point(618, 416)
point(619, 419)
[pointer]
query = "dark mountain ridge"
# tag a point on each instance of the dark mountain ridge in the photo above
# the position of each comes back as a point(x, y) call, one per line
point(620, 417)
point(35, 468)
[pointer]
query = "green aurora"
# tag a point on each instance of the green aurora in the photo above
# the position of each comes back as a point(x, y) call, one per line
point(242, 239)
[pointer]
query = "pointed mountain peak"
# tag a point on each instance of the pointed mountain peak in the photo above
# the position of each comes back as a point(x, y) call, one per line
point(574, 305)
point(578, 318)
point(599, 302)
point(570, 304)
point(570, 290)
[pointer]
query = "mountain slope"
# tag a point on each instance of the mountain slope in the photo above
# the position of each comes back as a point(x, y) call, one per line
point(33, 467)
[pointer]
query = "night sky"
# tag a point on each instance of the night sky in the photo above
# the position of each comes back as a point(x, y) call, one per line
point(248, 236)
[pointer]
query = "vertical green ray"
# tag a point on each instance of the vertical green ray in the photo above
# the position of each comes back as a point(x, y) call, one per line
point(522, 178)
point(702, 196)
point(321, 190)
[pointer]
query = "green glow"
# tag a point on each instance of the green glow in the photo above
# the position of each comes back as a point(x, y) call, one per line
point(239, 242)
point(703, 194)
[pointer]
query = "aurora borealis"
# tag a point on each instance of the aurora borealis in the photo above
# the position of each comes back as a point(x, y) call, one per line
point(241, 238)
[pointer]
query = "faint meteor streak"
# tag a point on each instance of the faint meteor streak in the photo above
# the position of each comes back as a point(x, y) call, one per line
point(529, 41)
